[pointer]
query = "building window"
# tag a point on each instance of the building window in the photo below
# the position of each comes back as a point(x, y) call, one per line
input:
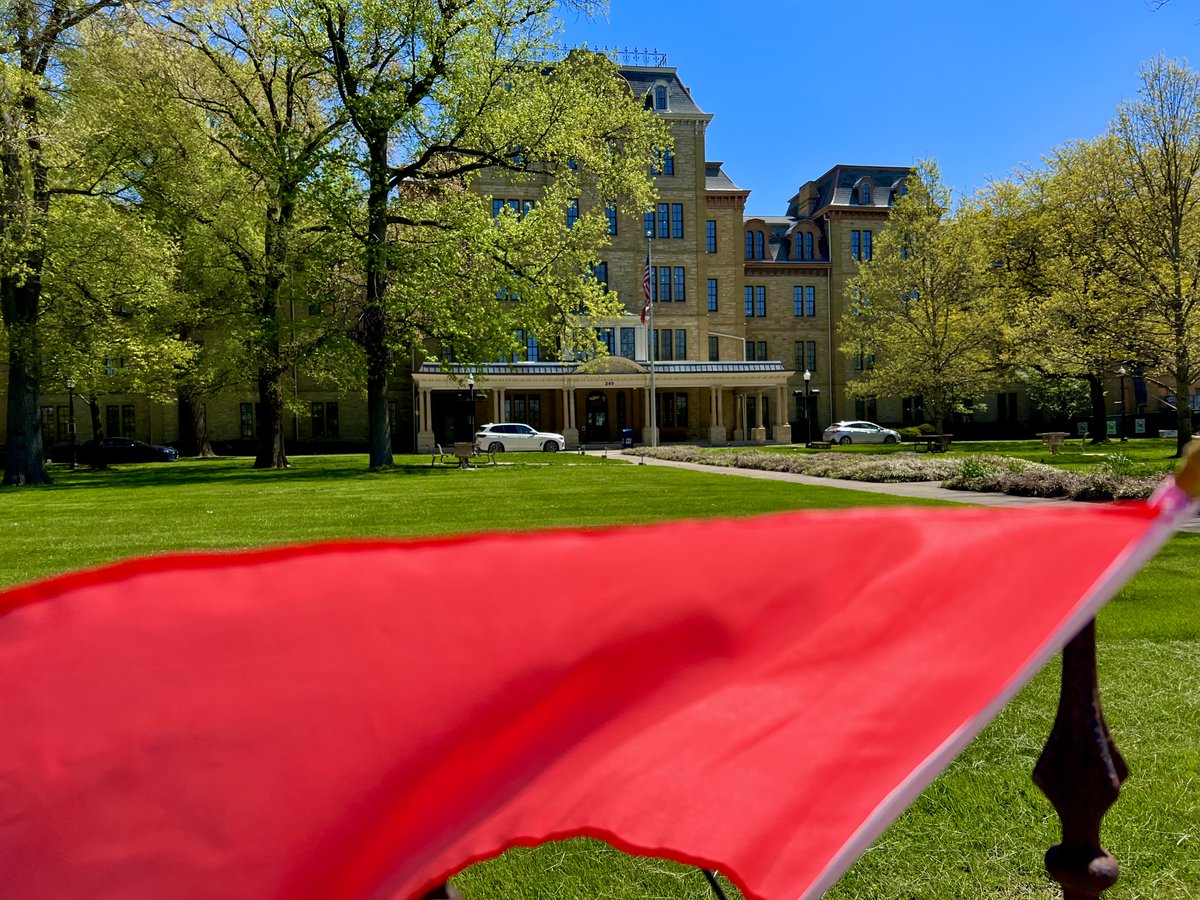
point(866, 245)
point(648, 224)
point(120, 420)
point(750, 351)
point(808, 245)
point(680, 290)
point(324, 419)
point(664, 222)
point(628, 342)
point(810, 355)
point(762, 350)
point(798, 360)
point(523, 408)
point(246, 420)
point(865, 409)
point(63, 425)
point(712, 295)
point(804, 300)
point(714, 349)
point(572, 212)
point(855, 243)
point(48, 435)
point(532, 350)
point(666, 345)
point(610, 213)
point(664, 284)
point(749, 245)
point(664, 162)
point(677, 220)
point(600, 273)
point(756, 301)
point(660, 97)
point(710, 236)
point(759, 242)
point(608, 337)
point(520, 208)
point(797, 300)
point(864, 193)
point(681, 343)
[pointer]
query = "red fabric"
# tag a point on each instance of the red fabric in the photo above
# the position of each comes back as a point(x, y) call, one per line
point(354, 720)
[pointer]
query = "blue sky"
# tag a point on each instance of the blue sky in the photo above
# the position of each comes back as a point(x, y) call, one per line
point(983, 87)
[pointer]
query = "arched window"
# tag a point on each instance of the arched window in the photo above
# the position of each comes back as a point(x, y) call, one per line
point(749, 245)
point(758, 245)
point(808, 245)
point(864, 193)
point(660, 97)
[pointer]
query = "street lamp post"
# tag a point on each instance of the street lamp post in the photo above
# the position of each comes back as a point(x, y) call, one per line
point(651, 343)
point(71, 421)
point(471, 408)
point(807, 412)
point(1124, 429)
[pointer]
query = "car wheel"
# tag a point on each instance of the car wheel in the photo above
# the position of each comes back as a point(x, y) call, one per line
point(495, 447)
point(550, 446)
point(889, 439)
point(845, 439)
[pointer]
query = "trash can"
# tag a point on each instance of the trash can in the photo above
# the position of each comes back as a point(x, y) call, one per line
point(626, 438)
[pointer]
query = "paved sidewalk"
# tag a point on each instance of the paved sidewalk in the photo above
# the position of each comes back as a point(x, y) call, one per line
point(921, 489)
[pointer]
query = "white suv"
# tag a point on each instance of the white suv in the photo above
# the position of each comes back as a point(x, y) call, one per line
point(495, 437)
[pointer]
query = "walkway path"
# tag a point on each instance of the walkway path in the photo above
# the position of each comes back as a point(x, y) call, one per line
point(929, 490)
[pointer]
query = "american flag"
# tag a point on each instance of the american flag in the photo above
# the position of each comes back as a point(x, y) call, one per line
point(646, 288)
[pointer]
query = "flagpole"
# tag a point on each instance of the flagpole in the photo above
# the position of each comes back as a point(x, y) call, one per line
point(653, 350)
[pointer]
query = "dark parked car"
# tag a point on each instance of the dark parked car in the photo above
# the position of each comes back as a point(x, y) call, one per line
point(116, 450)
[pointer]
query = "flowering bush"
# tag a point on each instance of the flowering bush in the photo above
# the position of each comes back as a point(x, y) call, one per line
point(996, 474)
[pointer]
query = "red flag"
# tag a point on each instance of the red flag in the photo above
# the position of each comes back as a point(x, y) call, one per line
point(362, 720)
point(646, 288)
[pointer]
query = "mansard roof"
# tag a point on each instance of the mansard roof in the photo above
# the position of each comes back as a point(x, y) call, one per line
point(715, 179)
point(643, 79)
point(836, 188)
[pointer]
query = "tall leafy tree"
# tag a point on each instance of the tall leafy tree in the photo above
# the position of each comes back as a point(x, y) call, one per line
point(436, 93)
point(266, 111)
point(922, 305)
point(1067, 314)
point(33, 34)
point(1153, 195)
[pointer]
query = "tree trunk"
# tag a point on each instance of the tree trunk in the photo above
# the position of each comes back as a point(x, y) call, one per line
point(271, 453)
point(374, 325)
point(1183, 408)
point(98, 460)
point(26, 463)
point(1099, 417)
point(193, 428)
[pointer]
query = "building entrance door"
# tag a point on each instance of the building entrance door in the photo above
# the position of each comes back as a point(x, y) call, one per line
point(597, 417)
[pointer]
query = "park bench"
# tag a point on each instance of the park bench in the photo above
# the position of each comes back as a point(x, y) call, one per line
point(934, 443)
point(1053, 440)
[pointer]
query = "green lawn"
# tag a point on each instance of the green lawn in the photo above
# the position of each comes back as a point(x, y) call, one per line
point(980, 830)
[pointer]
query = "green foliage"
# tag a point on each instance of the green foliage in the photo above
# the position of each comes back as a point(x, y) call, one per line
point(922, 305)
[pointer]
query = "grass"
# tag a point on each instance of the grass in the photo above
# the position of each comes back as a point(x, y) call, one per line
point(979, 830)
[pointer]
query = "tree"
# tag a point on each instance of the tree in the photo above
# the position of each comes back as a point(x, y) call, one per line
point(1067, 315)
point(1153, 195)
point(922, 305)
point(436, 93)
point(32, 37)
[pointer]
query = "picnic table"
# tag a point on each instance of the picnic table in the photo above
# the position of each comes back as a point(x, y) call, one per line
point(1053, 439)
point(934, 443)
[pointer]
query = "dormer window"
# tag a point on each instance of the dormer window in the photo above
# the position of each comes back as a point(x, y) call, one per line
point(802, 245)
point(660, 96)
point(899, 189)
point(864, 194)
point(755, 245)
